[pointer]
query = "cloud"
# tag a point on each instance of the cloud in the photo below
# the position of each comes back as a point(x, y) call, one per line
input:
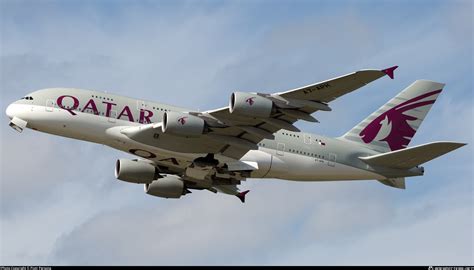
point(324, 219)
point(424, 242)
point(205, 231)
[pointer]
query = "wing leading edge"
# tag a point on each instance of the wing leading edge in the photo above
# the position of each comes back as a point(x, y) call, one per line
point(250, 117)
point(232, 131)
point(290, 106)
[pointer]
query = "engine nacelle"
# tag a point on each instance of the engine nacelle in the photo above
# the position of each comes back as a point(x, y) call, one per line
point(170, 186)
point(183, 124)
point(250, 105)
point(135, 171)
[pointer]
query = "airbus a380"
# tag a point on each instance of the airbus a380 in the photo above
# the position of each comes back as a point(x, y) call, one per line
point(180, 149)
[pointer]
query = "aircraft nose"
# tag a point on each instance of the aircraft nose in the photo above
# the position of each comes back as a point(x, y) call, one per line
point(9, 111)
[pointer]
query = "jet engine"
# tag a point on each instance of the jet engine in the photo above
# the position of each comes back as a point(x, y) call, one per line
point(135, 171)
point(183, 124)
point(250, 105)
point(170, 186)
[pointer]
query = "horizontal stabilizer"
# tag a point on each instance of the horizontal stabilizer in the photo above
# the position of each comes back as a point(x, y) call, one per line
point(413, 156)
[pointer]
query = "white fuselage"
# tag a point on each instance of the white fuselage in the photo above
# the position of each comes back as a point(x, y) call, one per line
point(290, 156)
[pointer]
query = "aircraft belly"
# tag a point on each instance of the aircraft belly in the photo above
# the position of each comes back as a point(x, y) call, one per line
point(302, 168)
point(175, 160)
point(155, 137)
point(98, 129)
point(59, 122)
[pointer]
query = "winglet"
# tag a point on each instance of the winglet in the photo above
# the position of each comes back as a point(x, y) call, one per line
point(389, 71)
point(241, 195)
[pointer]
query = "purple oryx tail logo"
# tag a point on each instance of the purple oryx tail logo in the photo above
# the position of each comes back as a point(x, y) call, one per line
point(250, 100)
point(182, 120)
point(399, 132)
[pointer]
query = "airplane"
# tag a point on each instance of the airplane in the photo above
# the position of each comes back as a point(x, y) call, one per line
point(179, 149)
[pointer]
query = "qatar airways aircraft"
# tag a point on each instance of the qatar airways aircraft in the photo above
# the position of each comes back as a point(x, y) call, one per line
point(180, 149)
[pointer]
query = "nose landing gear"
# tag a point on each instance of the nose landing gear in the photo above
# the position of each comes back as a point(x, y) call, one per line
point(17, 124)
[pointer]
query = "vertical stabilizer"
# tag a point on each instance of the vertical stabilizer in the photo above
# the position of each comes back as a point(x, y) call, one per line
point(394, 124)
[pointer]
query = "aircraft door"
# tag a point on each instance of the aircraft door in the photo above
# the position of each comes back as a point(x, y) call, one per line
point(280, 149)
point(307, 138)
point(332, 159)
point(50, 104)
point(112, 117)
point(141, 105)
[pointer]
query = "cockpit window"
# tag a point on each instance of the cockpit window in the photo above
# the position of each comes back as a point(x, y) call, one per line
point(27, 98)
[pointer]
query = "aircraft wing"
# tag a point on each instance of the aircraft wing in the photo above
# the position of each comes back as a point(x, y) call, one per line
point(232, 190)
point(250, 117)
point(329, 90)
point(291, 106)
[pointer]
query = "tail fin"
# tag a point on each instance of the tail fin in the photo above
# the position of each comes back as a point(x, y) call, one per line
point(394, 124)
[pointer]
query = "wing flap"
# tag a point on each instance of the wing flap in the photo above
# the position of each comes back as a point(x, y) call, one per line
point(394, 182)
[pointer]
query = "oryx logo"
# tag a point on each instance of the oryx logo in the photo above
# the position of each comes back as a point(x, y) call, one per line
point(392, 126)
point(182, 120)
point(250, 101)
